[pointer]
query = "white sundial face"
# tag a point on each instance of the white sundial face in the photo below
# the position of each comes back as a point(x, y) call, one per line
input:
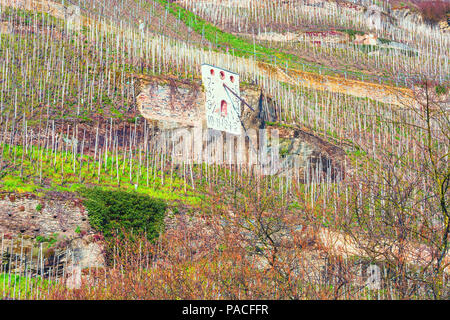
point(222, 106)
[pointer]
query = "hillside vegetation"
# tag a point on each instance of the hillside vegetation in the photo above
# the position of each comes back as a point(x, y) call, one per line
point(365, 217)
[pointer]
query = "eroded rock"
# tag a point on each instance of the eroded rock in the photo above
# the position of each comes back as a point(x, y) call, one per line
point(5, 27)
point(73, 18)
point(86, 254)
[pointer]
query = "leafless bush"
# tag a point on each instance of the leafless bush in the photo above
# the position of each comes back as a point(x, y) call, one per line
point(433, 11)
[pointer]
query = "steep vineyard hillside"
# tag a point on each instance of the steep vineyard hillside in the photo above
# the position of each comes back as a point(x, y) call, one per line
point(113, 185)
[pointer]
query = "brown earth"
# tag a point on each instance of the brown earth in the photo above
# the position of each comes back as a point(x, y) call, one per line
point(379, 92)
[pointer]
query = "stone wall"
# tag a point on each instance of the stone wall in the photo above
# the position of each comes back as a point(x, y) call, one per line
point(24, 218)
point(31, 216)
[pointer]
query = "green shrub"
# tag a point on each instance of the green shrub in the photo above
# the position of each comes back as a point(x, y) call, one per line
point(116, 211)
point(440, 90)
point(50, 240)
point(40, 239)
point(384, 41)
point(352, 33)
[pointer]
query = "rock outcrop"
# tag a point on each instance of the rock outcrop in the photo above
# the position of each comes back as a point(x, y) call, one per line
point(178, 106)
point(445, 25)
point(367, 39)
point(406, 16)
point(73, 17)
point(5, 27)
point(167, 99)
point(377, 19)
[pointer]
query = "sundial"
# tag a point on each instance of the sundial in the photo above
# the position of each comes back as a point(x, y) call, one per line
point(223, 105)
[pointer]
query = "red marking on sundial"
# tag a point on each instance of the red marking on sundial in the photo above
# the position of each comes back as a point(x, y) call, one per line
point(223, 108)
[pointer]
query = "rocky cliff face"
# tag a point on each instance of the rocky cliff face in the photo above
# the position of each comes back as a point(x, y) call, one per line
point(178, 106)
point(166, 99)
point(406, 16)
